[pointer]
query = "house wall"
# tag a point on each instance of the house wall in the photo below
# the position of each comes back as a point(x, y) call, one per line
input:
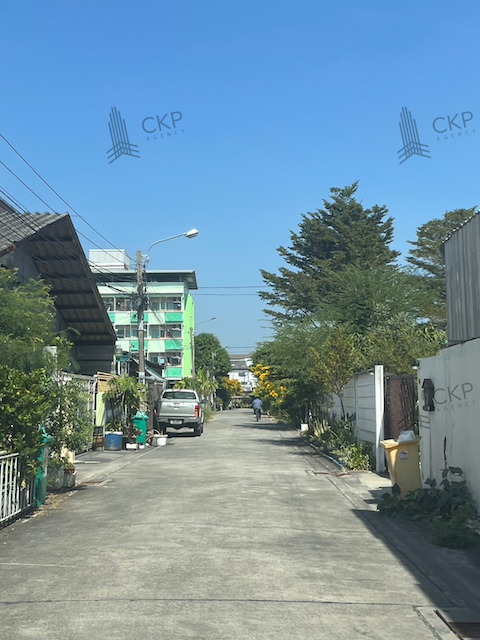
point(462, 274)
point(450, 434)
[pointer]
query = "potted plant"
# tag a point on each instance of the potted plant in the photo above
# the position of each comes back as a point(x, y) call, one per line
point(114, 435)
point(125, 395)
point(55, 473)
point(70, 474)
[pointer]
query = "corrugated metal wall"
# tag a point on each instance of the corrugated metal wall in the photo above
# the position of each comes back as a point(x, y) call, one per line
point(462, 269)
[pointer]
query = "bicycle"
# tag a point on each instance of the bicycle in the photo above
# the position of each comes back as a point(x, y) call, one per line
point(258, 414)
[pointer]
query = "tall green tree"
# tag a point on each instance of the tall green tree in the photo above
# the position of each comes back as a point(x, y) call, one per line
point(425, 257)
point(364, 298)
point(211, 356)
point(399, 342)
point(342, 233)
point(289, 359)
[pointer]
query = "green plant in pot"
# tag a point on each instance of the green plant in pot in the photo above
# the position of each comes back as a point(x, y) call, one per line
point(125, 395)
point(69, 467)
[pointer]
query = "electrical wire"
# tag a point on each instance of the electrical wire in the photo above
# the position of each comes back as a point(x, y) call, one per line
point(56, 212)
point(57, 194)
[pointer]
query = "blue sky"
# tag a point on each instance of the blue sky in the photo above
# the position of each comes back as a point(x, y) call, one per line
point(280, 101)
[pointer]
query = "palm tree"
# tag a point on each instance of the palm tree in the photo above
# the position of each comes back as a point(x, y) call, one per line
point(205, 385)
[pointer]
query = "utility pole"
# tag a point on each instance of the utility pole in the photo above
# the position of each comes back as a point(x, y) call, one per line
point(140, 310)
point(192, 349)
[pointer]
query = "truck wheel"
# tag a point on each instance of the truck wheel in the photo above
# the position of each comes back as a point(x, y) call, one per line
point(197, 431)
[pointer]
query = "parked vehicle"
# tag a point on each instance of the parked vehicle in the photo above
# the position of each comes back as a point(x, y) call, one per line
point(179, 409)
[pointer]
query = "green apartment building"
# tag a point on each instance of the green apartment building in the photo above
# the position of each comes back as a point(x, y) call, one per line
point(169, 316)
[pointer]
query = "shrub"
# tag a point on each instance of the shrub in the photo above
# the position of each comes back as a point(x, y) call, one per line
point(355, 456)
point(24, 406)
point(70, 421)
point(336, 436)
point(449, 508)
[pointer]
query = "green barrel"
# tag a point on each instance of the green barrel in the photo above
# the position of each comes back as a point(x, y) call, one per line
point(140, 422)
point(41, 482)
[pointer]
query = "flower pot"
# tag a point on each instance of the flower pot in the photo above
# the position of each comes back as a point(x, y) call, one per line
point(159, 440)
point(98, 443)
point(55, 478)
point(70, 477)
point(113, 441)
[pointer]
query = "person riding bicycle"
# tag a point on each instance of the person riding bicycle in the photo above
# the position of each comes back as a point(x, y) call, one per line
point(257, 406)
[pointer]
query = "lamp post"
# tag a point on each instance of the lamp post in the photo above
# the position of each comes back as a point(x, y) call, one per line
point(193, 233)
point(192, 343)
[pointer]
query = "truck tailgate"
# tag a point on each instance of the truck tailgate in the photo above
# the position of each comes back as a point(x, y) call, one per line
point(177, 409)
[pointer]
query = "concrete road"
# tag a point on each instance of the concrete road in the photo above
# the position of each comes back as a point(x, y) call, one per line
point(241, 533)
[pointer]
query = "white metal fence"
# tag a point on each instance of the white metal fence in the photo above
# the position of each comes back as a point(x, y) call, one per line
point(16, 496)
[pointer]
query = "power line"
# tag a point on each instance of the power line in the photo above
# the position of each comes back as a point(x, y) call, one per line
point(57, 194)
point(26, 185)
point(52, 208)
point(24, 220)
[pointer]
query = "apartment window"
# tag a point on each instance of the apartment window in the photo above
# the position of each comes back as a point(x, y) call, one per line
point(109, 304)
point(174, 359)
point(156, 358)
point(154, 304)
point(174, 331)
point(123, 304)
point(174, 304)
point(155, 331)
point(123, 331)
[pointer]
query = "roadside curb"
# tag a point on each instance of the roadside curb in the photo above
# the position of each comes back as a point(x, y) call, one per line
point(327, 457)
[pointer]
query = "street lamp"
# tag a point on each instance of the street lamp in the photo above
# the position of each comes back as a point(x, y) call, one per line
point(193, 233)
point(203, 322)
point(192, 344)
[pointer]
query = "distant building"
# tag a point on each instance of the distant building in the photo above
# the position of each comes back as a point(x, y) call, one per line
point(240, 370)
point(168, 318)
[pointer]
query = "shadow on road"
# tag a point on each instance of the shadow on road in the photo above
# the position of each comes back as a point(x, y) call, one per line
point(266, 425)
point(450, 578)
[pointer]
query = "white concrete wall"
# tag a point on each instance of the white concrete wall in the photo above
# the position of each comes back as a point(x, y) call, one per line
point(365, 392)
point(364, 396)
point(452, 431)
point(348, 398)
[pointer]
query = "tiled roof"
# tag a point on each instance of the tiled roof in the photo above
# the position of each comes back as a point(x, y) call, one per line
point(52, 243)
point(16, 227)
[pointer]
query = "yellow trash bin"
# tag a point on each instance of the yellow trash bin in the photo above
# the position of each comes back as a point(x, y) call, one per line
point(403, 460)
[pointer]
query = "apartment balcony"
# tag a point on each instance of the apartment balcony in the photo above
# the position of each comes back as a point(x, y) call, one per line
point(173, 316)
point(174, 345)
point(173, 372)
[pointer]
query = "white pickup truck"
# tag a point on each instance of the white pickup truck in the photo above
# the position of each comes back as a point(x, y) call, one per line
point(179, 409)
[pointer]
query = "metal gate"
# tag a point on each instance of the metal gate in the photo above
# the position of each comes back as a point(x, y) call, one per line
point(16, 496)
point(400, 402)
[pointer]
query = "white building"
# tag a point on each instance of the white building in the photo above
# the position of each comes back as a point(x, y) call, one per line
point(241, 371)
